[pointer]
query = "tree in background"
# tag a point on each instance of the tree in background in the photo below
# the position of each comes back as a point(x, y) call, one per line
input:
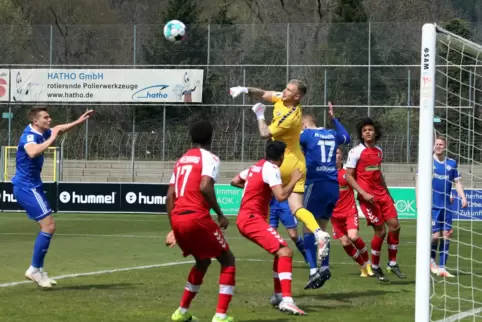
point(159, 51)
point(348, 39)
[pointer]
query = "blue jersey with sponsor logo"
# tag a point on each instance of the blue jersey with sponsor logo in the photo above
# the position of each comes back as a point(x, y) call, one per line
point(28, 170)
point(319, 146)
point(444, 174)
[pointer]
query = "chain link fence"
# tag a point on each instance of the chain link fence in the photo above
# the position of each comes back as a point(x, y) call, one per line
point(369, 69)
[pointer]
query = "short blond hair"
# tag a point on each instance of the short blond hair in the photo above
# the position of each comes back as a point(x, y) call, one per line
point(302, 88)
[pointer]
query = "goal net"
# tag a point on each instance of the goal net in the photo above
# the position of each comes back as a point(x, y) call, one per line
point(50, 171)
point(451, 107)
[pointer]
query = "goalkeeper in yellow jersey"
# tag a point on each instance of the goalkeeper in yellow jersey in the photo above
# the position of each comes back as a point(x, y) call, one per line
point(286, 127)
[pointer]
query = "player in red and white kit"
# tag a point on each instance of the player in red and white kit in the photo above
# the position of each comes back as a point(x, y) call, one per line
point(262, 181)
point(364, 174)
point(344, 221)
point(189, 199)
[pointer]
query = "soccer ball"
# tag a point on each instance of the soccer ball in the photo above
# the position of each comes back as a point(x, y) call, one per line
point(175, 31)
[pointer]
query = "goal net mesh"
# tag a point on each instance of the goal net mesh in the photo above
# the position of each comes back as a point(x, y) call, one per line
point(458, 118)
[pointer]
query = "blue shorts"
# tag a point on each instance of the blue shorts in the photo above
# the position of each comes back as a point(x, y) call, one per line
point(441, 219)
point(321, 198)
point(34, 201)
point(280, 211)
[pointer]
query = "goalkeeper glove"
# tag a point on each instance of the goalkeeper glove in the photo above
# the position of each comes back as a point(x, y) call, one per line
point(258, 109)
point(236, 91)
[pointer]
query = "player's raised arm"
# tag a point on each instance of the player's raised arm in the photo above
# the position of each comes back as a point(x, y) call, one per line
point(264, 129)
point(342, 135)
point(35, 149)
point(239, 180)
point(84, 117)
point(255, 93)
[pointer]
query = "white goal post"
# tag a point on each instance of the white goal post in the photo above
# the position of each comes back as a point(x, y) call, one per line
point(460, 95)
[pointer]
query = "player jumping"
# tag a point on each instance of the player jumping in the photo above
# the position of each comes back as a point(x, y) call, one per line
point(278, 211)
point(364, 174)
point(345, 223)
point(27, 184)
point(262, 182)
point(444, 175)
point(189, 199)
point(286, 127)
point(319, 146)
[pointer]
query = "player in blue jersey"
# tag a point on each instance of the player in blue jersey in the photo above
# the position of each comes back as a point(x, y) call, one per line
point(444, 175)
point(27, 184)
point(322, 190)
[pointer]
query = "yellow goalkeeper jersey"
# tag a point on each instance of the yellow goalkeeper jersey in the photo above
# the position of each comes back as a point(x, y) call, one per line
point(286, 127)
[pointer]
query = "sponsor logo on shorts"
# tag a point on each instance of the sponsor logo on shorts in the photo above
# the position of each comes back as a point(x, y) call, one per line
point(276, 235)
point(373, 219)
point(220, 239)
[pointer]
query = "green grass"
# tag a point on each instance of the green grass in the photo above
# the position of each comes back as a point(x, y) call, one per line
point(88, 243)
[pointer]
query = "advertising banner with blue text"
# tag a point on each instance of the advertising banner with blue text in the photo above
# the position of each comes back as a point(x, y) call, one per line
point(106, 85)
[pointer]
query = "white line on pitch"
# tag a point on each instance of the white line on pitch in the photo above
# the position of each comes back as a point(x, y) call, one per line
point(110, 271)
point(138, 236)
point(461, 315)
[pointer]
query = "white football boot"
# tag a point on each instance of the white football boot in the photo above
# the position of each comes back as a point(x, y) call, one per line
point(39, 278)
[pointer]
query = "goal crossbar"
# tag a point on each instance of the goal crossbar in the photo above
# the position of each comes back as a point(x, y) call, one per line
point(460, 43)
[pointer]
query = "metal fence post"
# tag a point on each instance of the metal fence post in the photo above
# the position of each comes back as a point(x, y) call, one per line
point(325, 96)
point(287, 53)
point(409, 103)
point(369, 68)
point(134, 60)
point(164, 132)
point(243, 117)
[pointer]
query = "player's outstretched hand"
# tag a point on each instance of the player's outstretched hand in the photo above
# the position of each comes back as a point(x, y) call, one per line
point(170, 239)
point(223, 221)
point(296, 175)
point(55, 131)
point(368, 197)
point(464, 202)
point(86, 115)
point(330, 110)
point(259, 109)
point(237, 90)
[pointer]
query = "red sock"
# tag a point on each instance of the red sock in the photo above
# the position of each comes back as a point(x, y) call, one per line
point(377, 243)
point(285, 268)
point(362, 248)
point(194, 281)
point(354, 253)
point(227, 280)
point(392, 241)
point(277, 284)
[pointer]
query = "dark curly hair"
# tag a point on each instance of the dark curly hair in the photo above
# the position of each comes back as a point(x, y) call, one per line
point(365, 122)
point(201, 132)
